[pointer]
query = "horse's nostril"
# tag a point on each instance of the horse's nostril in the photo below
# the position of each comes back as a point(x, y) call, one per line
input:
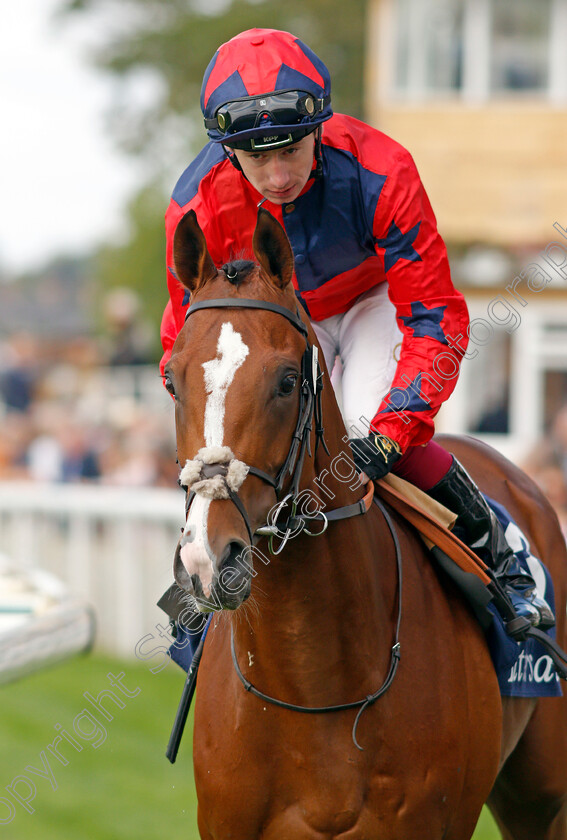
point(235, 553)
point(180, 573)
point(235, 572)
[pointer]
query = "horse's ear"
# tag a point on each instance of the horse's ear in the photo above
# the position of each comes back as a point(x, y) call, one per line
point(191, 258)
point(272, 249)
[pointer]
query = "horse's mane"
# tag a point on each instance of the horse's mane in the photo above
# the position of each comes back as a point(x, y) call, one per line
point(237, 271)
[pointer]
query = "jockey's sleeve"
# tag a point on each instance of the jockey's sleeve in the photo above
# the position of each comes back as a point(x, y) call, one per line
point(430, 312)
point(189, 194)
point(171, 321)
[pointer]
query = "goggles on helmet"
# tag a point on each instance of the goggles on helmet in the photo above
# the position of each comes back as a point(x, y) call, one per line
point(254, 116)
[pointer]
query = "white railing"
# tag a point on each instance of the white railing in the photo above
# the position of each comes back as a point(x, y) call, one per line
point(112, 546)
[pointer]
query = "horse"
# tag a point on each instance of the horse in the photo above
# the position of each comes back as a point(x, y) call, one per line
point(345, 689)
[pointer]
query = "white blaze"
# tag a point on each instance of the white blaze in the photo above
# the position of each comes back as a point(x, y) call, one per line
point(219, 373)
point(196, 553)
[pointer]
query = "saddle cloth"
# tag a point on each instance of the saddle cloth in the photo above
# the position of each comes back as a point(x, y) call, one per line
point(524, 669)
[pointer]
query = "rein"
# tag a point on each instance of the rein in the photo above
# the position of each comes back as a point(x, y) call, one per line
point(367, 701)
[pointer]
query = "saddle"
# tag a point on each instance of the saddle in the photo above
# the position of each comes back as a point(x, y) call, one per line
point(471, 575)
point(433, 522)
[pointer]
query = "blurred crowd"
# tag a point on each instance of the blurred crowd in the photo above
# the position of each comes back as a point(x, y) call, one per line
point(93, 409)
point(86, 409)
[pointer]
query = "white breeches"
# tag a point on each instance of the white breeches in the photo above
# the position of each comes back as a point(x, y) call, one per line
point(361, 348)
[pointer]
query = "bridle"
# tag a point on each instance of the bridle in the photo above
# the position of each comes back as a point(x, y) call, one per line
point(309, 413)
point(309, 410)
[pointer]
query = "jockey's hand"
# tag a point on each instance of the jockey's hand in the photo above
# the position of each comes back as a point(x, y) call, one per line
point(375, 455)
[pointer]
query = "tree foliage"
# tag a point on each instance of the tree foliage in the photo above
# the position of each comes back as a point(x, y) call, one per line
point(162, 48)
point(174, 40)
point(139, 263)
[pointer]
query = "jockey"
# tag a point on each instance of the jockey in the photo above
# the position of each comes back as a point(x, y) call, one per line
point(371, 269)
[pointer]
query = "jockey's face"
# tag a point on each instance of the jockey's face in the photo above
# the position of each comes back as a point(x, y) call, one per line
point(279, 174)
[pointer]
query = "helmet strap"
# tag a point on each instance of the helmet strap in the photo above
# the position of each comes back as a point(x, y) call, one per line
point(233, 159)
point(318, 153)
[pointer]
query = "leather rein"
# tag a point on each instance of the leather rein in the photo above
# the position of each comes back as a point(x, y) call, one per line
point(370, 699)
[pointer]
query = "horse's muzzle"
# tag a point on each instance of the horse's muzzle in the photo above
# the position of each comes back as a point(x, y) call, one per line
point(231, 581)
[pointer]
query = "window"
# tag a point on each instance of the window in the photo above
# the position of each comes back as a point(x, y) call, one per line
point(475, 49)
point(520, 37)
point(429, 54)
point(488, 393)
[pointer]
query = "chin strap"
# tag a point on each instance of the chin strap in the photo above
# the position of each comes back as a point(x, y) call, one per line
point(318, 171)
point(233, 159)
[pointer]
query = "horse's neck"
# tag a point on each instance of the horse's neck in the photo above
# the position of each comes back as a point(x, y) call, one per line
point(332, 575)
point(321, 612)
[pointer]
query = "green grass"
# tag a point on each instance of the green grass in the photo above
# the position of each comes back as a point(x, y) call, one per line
point(125, 789)
point(486, 828)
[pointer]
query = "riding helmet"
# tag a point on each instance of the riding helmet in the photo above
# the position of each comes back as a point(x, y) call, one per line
point(264, 89)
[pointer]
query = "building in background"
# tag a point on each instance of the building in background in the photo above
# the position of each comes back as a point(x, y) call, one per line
point(477, 91)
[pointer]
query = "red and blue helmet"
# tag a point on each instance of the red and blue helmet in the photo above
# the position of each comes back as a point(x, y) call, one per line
point(264, 89)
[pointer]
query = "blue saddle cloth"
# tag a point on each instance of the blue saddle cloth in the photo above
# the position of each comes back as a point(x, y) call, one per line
point(523, 669)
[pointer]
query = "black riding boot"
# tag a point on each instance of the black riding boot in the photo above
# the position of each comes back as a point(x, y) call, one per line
point(478, 527)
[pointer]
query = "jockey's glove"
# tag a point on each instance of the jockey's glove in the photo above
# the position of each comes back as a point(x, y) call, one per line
point(375, 454)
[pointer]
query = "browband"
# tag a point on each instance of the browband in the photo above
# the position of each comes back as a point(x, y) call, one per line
point(250, 303)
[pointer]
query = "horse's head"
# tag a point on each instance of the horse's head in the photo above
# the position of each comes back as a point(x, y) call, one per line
point(243, 408)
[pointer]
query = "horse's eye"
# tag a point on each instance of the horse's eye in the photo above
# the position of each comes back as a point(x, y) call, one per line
point(288, 383)
point(167, 381)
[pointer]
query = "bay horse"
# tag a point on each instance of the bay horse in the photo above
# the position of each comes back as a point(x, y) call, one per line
point(406, 734)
